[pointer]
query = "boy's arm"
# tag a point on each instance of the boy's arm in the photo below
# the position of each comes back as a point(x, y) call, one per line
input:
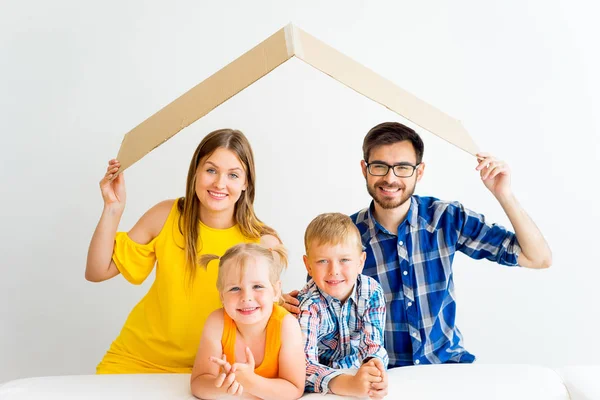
point(290, 383)
point(372, 335)
point(361, 384)
point(318, 376)
point(207, 381)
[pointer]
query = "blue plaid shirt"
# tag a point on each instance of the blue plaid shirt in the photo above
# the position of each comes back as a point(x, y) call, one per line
point(414, 269)
point(340, 336)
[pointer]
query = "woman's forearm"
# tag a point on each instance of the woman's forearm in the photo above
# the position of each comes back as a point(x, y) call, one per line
point(99, 258)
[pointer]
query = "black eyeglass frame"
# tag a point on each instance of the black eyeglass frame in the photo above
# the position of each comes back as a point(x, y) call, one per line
point(393, 168)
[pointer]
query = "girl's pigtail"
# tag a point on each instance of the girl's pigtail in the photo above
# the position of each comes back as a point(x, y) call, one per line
point(205, 259)
point(280, 256)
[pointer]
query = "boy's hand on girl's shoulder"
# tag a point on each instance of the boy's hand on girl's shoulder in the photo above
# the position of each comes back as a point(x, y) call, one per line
point(291, 302)
point(379, 389)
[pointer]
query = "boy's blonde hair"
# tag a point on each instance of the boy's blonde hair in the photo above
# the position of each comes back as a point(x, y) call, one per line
point(333, 229)
point(243, 255)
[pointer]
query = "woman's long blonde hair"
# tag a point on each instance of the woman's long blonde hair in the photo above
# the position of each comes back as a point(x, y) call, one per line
point(189, 206)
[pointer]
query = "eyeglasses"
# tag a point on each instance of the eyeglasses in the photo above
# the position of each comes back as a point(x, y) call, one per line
point(402, 170)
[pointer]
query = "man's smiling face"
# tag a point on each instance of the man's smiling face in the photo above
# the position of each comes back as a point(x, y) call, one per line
point(390, 191)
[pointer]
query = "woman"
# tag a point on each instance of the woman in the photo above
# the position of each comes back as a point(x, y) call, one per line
point(162, 332)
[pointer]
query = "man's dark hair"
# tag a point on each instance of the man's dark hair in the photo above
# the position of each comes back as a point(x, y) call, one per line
point(390, 133)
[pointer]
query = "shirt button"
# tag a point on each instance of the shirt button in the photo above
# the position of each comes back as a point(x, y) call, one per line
point(410, 303)
point(405, 273)
point(417, 362)
point(415, 334)
point(401, 243)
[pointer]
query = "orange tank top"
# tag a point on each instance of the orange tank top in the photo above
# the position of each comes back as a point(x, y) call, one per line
point(269, 368)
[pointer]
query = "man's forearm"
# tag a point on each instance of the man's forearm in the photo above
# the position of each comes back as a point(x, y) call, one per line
point(535, 252)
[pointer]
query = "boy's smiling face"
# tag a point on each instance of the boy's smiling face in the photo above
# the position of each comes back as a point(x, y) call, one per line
point(335, 267)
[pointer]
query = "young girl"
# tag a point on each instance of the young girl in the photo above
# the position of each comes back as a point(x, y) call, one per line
point(162, 331)
point(241, 350)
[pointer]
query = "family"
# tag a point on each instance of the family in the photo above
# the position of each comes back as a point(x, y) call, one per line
point(380, 292)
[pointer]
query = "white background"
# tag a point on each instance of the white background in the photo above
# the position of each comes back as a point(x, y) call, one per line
point(76, 76)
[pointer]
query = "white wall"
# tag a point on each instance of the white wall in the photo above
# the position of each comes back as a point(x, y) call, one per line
point(74, 77)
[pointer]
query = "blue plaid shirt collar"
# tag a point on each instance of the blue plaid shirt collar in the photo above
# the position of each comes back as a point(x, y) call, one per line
point(374, 225)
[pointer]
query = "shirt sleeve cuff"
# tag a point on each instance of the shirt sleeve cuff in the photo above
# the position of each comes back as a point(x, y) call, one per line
point(510, 250)
point(324, 384)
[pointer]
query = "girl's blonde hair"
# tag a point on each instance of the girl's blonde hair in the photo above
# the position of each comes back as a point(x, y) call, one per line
point(189, 206)
point(242, 256)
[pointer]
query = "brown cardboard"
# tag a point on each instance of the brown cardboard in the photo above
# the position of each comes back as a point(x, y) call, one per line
point(366, 82)
point(204, 97)
point(288, 42)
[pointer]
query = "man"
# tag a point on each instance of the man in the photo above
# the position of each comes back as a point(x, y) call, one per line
point(410, 243)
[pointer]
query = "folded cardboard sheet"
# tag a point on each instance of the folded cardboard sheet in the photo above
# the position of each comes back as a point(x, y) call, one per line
point(286, 43)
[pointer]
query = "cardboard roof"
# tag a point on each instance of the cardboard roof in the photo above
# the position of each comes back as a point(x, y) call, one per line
point(286, 43)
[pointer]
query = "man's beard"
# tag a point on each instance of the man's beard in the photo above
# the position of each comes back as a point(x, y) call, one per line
point(389, 204)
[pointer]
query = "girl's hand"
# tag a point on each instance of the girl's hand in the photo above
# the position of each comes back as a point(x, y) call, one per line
point(245, 371)
point(227, 378)
point(113, 189)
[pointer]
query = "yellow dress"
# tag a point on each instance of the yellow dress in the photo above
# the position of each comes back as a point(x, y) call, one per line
point(269, 367)
point(162, 332)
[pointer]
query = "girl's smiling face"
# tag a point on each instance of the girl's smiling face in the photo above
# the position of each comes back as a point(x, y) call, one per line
point(248, 294)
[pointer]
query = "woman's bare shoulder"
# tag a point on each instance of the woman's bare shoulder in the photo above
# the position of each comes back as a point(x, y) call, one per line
point(152, 222)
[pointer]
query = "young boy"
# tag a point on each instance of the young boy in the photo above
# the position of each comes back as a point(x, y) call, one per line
point(342, 313)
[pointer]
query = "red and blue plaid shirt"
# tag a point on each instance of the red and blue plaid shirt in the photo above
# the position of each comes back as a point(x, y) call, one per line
point(414, 268)
point(340, 335)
